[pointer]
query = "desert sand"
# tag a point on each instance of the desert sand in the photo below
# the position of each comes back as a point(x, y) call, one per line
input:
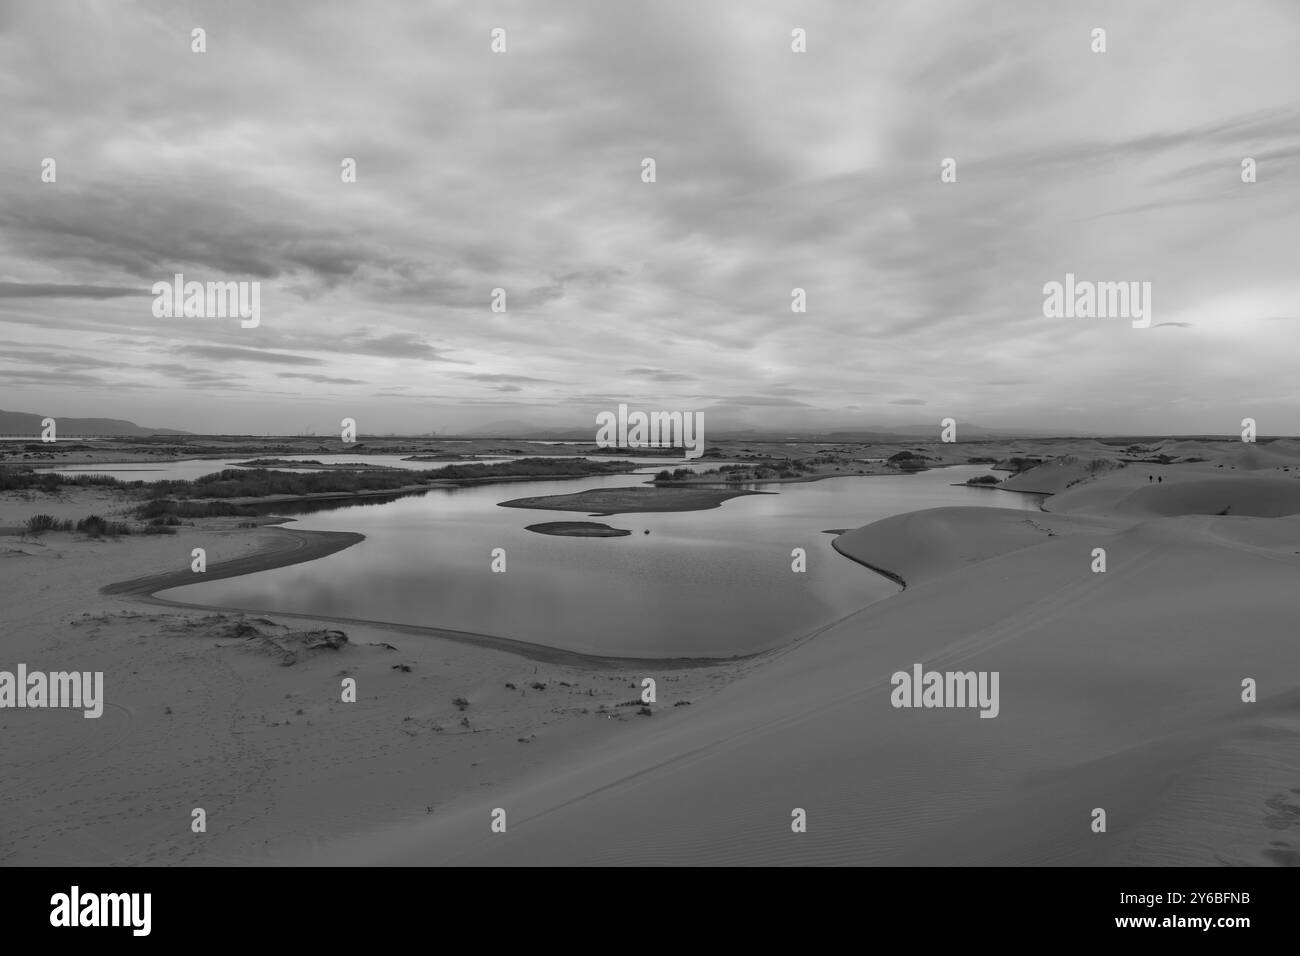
point(1120, 690)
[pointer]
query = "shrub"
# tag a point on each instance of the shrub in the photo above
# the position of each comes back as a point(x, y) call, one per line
point(20, 477)
point(95, 526)
point(92, 525)
point(259, 482)
point(39, 524)
point(168, 507)
point(1018, 465)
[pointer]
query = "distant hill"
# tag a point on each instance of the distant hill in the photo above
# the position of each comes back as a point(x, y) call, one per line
point(966, 431)
point(515, 428)
point(718, 429)
point(27, 423)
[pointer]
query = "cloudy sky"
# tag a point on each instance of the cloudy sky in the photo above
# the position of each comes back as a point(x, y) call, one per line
point(775, 170)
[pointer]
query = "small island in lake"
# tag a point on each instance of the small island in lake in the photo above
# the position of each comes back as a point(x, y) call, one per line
point(613, 501)
point(578, 529)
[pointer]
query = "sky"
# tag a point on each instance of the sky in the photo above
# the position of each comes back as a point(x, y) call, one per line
point(774, 170)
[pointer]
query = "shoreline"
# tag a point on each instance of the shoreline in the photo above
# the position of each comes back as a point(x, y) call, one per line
point(888, 473)
point(298, 547)
point(404, 491)
point(288, 546)
point(883, 572)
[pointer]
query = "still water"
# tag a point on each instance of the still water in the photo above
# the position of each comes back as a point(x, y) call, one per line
point(710, 583)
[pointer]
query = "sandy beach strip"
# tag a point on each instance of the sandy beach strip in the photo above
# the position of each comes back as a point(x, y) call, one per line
point(279, 548)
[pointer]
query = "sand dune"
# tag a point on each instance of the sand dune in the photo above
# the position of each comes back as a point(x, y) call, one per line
point(924, 545)
point(1247, 456)
point(1054, 477)
point(1262, 496)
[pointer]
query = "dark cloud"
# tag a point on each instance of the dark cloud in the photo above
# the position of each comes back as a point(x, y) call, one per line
point(395, 345)
point(322, 379)
point(50, 358)
point(60, 378)
point(220, 353)
point(759, 401)
point(39, 290)
point(496, 377)
point(660, 375)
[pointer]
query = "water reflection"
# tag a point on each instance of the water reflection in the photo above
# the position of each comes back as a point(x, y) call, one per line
point(701, 584)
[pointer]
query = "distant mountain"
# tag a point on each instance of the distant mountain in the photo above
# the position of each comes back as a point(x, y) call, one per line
point(965, 431)
point(513, 428)
point(870, 434)
point(27, 423)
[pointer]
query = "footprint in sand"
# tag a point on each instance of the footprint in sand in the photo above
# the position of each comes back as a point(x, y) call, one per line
point(1284, 815)
point(1282, 854)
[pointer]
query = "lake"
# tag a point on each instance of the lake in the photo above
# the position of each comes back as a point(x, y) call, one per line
point(713, 583)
